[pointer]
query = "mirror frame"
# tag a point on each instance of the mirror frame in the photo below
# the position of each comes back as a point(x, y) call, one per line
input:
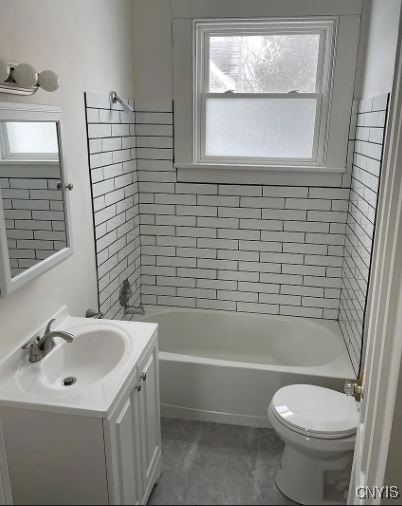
point(33, 112)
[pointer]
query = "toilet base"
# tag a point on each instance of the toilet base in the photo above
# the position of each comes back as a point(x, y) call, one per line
point(310, 480)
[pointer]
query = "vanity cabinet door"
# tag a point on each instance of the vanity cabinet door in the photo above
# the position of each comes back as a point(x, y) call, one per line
point(133, 438)
point(150, 420)
point(124, 469)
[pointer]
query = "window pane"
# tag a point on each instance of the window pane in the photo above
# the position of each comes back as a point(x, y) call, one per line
point(32, 137)
point(264, 63)
point(260, 127)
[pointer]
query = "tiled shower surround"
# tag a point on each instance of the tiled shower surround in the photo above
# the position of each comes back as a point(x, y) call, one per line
point(252, 248)
point(112, 159)
point(262, 249)
point(368, 122)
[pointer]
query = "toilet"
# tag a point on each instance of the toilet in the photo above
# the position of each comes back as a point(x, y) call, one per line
point(318, 427)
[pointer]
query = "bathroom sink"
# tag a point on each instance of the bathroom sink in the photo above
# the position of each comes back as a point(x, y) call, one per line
point(85, 375)
point(92, 355)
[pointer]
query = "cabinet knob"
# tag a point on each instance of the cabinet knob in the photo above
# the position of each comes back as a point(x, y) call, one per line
point(143, 376)
point(138, 387)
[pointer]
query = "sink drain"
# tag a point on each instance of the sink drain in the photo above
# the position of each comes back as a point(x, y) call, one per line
point(69, 381)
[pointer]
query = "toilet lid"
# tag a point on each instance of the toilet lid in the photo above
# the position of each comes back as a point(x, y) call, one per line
point(316, 410)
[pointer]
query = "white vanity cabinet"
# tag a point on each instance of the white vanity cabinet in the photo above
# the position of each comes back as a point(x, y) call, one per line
point(133, 437)
point(82, 458)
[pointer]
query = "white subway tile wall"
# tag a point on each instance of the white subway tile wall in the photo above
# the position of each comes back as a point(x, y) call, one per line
point(248, 248)
point(113, 171)
point(367, 132)
point(252, 248)
point(34, 214)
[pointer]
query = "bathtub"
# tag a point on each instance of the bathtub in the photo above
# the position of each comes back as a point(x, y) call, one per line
point(226, 366)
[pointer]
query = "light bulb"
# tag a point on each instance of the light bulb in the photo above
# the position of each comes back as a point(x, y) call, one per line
point(49, 80)
point(25, 75)
point(4, 70)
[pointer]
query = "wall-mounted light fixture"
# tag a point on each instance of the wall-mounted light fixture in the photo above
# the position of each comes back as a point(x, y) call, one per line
point(23, 79)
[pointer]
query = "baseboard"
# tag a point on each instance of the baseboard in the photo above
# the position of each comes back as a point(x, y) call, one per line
point(171, 411)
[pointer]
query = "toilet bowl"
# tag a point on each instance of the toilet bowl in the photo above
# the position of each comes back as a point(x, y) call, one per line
point(318, 427)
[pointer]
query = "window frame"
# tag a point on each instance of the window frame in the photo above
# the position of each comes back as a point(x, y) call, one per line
point(327, 28)
point(8, 156)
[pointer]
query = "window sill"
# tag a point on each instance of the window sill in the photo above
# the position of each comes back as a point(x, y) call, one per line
point(259, 174)
point(263, 168)
point(13, 161)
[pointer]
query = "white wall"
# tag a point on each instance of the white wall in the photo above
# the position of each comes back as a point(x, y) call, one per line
point(153, 52)
point(152, 38)
point(376, 74)
point(379, 49)
point(89, 44)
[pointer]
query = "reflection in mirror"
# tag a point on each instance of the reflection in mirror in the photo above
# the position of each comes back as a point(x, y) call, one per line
point(32, 191)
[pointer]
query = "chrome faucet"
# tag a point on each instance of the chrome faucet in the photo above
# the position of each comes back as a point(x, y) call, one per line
point(124, 298)
point(39, 347)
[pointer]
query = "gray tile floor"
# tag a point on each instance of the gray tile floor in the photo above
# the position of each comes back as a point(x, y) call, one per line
point(207, 463)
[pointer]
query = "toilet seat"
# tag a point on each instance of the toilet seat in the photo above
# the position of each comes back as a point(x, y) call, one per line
point(315, 412)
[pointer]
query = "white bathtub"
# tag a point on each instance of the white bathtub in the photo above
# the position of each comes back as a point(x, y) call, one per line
point(225, 366)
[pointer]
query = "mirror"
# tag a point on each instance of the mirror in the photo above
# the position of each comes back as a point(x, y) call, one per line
point(33, 222)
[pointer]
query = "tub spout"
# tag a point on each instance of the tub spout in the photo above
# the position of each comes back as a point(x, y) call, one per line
point(134, 310)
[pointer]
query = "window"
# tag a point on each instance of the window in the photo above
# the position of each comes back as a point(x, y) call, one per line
point(266, 100)
point(29, 141)
point(262, 91)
